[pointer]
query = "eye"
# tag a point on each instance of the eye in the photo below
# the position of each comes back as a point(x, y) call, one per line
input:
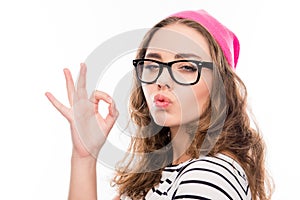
point(150, 66)
point(186, 67)
point(189, 68)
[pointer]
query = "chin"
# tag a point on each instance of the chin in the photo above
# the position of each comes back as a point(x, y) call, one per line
point(166, 121)
point(160, 118)
point(160, 121)
point(171, 122)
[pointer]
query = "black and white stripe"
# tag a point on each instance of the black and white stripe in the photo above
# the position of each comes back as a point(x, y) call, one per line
point(217, 178)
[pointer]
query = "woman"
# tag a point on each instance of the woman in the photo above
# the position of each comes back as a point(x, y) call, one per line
point(194, 139)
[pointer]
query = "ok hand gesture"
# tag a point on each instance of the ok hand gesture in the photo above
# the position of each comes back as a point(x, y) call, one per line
point(89, 129)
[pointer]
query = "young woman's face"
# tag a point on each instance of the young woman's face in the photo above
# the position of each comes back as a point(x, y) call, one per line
point(170, 103)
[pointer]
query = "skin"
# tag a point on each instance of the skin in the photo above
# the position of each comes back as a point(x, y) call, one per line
point(179, 113)
point(89, 129)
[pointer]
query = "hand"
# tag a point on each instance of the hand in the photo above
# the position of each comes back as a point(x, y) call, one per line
point(89, 129)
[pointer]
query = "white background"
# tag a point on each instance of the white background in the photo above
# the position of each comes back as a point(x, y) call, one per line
point(40, 38)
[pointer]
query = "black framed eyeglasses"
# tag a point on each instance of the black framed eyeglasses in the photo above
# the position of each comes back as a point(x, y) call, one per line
point(183, 72)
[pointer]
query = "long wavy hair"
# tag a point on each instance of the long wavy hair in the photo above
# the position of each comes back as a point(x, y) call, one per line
point(149, 153)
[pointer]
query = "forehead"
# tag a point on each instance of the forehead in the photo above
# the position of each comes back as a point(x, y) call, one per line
point(179, 38)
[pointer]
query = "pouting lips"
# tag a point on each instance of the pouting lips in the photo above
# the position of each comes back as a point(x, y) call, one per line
point(161, 100)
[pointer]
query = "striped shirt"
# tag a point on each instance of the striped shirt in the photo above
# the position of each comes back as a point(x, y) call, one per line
point(205, 178)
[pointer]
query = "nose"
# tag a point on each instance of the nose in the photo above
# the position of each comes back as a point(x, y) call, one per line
point(165, 79)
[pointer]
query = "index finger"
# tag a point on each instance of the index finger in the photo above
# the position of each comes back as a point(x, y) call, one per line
point(70, 85)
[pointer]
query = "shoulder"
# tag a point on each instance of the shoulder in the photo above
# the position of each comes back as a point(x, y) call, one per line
point(218, 177)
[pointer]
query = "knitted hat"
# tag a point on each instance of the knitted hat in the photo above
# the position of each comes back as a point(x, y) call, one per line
point(227, 40)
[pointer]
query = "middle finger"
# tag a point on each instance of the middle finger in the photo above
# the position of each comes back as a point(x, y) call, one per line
point(81, 85)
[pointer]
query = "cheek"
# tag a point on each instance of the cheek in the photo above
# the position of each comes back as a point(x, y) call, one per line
point(202, 95)
point(202, 92)
point(192, 100)
point(148, 89)
point(202, 89)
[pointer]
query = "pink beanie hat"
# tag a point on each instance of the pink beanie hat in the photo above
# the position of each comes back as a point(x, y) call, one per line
point(227, 40)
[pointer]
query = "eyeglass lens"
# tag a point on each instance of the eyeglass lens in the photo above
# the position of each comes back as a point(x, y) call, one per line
point(183, 72)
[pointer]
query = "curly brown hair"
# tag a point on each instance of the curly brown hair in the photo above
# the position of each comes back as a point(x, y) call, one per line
point(141, 169)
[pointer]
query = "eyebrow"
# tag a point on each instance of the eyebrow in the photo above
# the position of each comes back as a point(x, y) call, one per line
point(153, 55)
point(187, 55)
point(177, 56)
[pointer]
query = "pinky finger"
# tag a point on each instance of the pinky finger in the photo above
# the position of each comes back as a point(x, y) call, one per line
point(59, 106)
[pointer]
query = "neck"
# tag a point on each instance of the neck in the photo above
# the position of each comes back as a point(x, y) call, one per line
point(180, 143)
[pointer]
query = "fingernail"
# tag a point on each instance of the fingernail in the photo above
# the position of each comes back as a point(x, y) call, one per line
point(82, 67)
point(48, 95)
point(65, 70)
